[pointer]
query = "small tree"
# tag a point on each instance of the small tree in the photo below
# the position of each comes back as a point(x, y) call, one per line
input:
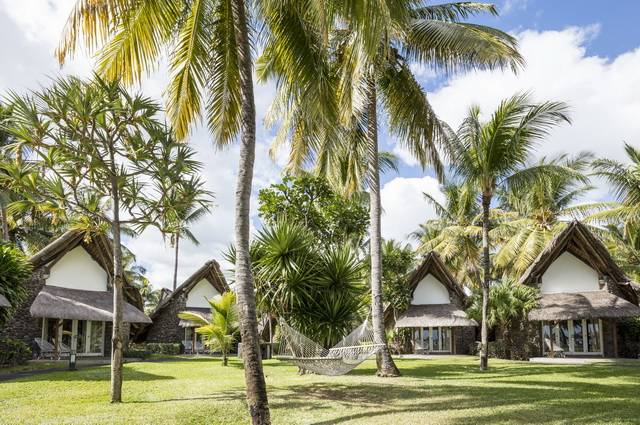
point(99, 154)
point(509, 303)
point(15, 269)
point(221, 328)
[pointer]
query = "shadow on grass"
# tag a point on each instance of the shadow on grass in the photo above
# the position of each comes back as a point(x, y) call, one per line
point(460, 394)
point(97, 373)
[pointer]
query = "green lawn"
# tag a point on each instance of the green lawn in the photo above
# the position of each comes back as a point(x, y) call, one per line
point(451, 391)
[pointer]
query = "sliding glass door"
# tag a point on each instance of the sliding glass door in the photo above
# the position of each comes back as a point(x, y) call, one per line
point(573, 336)
point(89, 335)
point(435, 339)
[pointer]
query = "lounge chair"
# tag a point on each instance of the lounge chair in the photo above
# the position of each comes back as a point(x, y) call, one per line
point(553, 350)
point(199, 347)
point(46, 350)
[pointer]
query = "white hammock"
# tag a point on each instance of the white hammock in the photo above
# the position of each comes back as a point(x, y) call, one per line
point(345, 356)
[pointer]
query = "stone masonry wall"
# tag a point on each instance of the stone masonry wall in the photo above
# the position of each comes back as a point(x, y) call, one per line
point(21, 325)
point(165, 326)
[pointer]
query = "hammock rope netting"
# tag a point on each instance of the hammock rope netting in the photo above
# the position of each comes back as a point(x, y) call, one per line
point(343, 357)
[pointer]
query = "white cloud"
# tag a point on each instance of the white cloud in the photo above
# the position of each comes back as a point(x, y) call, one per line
point(602, 93)
point(511, 5)
point(404, 207)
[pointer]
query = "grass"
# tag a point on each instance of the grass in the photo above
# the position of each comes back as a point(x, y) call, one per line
point(442, 391)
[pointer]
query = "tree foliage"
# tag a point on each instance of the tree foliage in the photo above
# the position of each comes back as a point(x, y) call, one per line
point(15, 270)
point(310, 201)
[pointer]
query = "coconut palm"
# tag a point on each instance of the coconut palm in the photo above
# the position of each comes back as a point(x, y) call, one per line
point(625, 180)
point(209, 44)
point(220, 328)
point(536, 212)
point(456, 234)
point(15, 270)
point(492, 155)
point(371, 69)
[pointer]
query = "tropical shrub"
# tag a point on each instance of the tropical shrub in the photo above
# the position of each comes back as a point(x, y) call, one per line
point(318, 289)
point(509, 304)
point(220, 329)
point(14, 352)
point(15, 270)
point(156, 348)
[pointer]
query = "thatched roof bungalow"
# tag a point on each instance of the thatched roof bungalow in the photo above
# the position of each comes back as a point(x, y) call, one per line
point(70, 298)
point(436, 313)
point(583, 295)
point(192, 295)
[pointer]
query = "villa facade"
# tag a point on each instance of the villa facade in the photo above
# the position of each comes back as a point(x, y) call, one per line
point(436, 315)
point(191, 296)
point(583, 296)
point(69, 300)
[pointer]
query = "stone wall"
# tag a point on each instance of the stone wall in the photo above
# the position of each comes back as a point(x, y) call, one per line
point(165, 326)
point(464, 337)
point(21, 325)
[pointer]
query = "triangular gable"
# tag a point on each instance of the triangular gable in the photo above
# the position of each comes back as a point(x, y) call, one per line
point(210, 272)
point(432, 264)
point(579, 241)
point(98, 246)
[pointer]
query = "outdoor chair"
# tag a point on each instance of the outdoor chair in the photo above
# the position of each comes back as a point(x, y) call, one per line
point(199, 347)
point(553, 350)
point(188, 347)
point(46, 350)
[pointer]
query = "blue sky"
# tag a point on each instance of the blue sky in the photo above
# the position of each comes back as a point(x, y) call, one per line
point(586, 53)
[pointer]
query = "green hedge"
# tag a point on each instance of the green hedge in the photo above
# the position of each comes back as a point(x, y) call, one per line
point(14, 352)
point(147, 348)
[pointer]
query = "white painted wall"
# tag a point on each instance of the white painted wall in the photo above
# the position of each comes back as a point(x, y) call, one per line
point(568, 274)
point(430, 291)
point(200, 293)
point(77, 270)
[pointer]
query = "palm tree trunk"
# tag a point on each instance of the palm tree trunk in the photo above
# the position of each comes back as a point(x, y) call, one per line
point(117, 343)
point(386, 366)
point(256, 387)
point(5, 223)
point(486, 264)
point(175, 262)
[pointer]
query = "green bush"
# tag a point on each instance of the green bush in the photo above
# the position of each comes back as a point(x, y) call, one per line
point(629, 338)
point(15, 270)
point(14, 352)
point(155, 348)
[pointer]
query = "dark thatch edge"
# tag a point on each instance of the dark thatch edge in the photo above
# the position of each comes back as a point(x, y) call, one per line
point(210, 271)
point(434, 315)
point(579, 241)
point(98, 246)
point(4, 302)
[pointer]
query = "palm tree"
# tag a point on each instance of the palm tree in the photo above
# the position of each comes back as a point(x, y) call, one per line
point(209, 45)
point(492, 155)
point(372, 64)
point(536, 213)
point(625, 180)
point(220, 328)
point(456, 234)
point(509, 302)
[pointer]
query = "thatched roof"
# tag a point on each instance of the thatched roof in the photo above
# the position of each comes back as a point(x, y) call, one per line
point(195, 310)
point(434, 315)
point(4, 302)
point(583, 305)
point(432, 264)
point(65, 303)
point(98, 246)
point(209, 271)
point(583, 244)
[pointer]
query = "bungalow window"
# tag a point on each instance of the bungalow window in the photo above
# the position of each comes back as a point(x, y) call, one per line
point(434, 339)
point(573, 336)
point(89, 335)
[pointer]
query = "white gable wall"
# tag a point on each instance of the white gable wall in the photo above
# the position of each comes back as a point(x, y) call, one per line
point(77, 270)
point(200, 293)
point(430, 291)
point(568, 274)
